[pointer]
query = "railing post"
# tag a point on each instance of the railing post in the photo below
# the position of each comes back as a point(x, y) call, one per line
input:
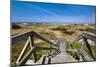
point(23, 51)
point(23, 57)
point(33, 45)
point(26, 57)
point(88, 46)
point(49, 60)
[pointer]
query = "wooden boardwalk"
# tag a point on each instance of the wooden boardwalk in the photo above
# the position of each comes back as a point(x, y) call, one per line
point(60, 56)
point(63, 56)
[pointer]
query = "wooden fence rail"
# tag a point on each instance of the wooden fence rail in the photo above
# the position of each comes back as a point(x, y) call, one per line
point(85, 37)
point(29, 36)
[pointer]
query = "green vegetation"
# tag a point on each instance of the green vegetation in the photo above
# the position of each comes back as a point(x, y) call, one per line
point(92, 30)
point(42, 52)
point(63, 29)
point(15, 26)
point(69, 32)
point(78, 46)
point(59, 28)
point(47, 35)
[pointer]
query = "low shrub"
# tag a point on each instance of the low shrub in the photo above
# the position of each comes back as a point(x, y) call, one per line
point(15, 26)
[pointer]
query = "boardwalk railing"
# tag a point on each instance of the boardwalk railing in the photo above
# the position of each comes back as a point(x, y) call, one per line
point(85, 52)
point(29, 36)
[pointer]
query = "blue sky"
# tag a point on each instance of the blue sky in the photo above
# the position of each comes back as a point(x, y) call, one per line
point(52, 13)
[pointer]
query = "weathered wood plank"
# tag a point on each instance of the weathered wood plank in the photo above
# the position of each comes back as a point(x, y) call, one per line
point(74, 50)
point(88, 47)
point(33, 45)
point(20, 37)
point(26, 57)
point(24, 36)
point(29, 36)
point(23, 51)
point(42, 38)
point(44, 48)
point(88, 36)
point(83, 35)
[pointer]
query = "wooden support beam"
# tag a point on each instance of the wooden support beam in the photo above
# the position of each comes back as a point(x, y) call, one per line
point(88, 36)
point(44, 48)
point(26, 57)
point(42, 38)
point(23, 51)
point(75, 40)
point(49, 60)
point(82, 56)
point(88, 47)
point(20, 37)
point(73, 50)
point(33, 45)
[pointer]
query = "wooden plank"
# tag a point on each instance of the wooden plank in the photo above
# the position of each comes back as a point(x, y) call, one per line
point(75, 40)
point(49, 60)
point(33, 45)
point(74, 50)
point(46, 60)
point(43, 60)
point(45, 48)
point(42, 38)
point(24, 36)
point(88, 36)
point(20, 37)
point(83, 35)
point(88, 47)
point(23, 51)
point(26, 57)
point(84, 54)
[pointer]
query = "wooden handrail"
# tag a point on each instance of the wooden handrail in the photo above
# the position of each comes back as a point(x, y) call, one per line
point(88, 36)
point(24, 36)
point(20, 37)
point(22, 59)
point(83, 36)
